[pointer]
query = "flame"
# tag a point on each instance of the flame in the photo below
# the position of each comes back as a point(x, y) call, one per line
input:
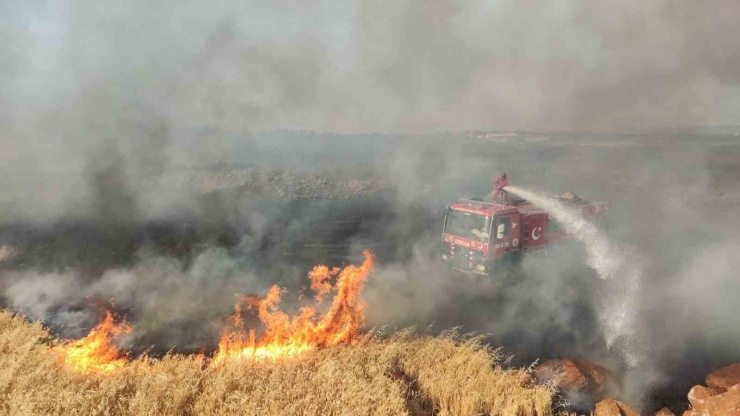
point(286, 337)
point(320, 284)
point(96, 352)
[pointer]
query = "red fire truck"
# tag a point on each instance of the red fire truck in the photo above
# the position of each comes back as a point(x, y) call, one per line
point(479, 235)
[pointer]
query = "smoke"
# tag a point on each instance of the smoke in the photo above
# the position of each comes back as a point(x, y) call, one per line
point(602, 256)
point(161, 155)
point(166, 298)
point(668, 232)
point(609, 261)
point(103, 91)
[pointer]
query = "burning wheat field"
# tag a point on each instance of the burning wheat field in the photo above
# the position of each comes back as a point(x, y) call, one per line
point(316, 362)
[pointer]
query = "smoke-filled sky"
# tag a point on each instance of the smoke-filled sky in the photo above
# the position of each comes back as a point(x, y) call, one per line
point(406, 66)
point(95, 90)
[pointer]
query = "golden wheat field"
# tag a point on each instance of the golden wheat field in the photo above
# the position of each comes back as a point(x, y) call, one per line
point(444, 375)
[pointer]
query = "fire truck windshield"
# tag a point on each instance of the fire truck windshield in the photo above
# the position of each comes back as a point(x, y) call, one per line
point(472, 226)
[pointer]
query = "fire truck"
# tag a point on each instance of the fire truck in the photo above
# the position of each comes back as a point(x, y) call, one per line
point(479, 237)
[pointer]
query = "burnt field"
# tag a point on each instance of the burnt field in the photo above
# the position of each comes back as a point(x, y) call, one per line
point(283, 202)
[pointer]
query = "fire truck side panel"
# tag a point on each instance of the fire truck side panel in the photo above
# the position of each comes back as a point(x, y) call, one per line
point(534, 231)
point(505, 235)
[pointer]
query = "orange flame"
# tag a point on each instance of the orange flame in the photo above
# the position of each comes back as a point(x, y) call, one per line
point(320, 284)
point(286, 337)
point(96, 352)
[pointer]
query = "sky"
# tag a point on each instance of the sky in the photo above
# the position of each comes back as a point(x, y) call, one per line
point(364, 66)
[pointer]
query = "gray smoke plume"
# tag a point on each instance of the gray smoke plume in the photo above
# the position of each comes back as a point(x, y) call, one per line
point(617, 312)
point(83, 81)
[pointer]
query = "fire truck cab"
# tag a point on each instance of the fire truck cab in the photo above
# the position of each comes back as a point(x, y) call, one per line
point(478, 235)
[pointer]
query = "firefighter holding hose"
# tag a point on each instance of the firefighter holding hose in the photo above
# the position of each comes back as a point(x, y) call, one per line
point(499, 194)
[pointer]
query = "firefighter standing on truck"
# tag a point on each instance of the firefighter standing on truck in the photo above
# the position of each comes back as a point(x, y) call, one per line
point(499, 195)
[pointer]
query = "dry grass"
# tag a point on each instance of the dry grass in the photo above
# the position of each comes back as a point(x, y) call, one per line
point(453, 377)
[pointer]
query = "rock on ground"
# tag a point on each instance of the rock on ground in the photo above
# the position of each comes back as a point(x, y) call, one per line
point(699, 394)
point(611, 407)
point(722, 404)
point(577, 376)
point(569, 412)
point(664, 412)
point(724, 378)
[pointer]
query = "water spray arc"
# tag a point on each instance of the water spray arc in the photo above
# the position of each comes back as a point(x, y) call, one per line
point(618, 311)
point(602, 256)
